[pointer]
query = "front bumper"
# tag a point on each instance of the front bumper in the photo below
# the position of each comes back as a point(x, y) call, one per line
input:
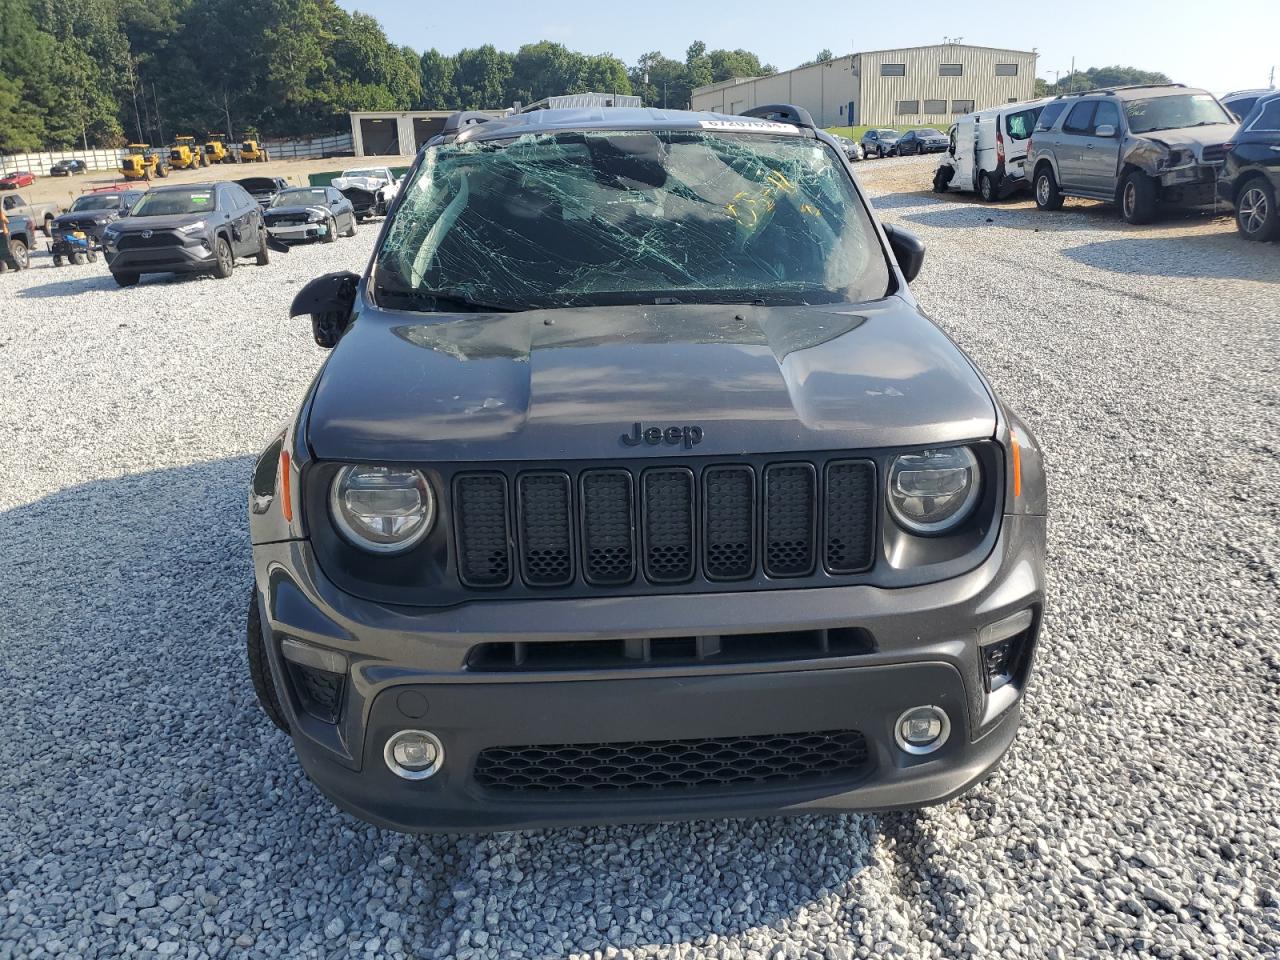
point(192, 257)
point(408, 670)
point(300, 231)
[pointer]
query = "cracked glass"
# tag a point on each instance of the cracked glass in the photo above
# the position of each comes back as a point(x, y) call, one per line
point(600, 218)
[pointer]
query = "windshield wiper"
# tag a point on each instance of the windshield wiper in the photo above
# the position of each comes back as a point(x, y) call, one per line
point(432, 301)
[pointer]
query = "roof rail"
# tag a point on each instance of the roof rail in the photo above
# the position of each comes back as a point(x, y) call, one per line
point(1112, 91)
point(463, 118)
point(782, 113)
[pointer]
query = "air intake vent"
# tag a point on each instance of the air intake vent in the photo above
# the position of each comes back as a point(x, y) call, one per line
point(546, 534)
point(608, 537)
point(675, 765)
point(790, 490)
point(849, 497)
point(484, 536)
point(729, 502)
point(668, 525)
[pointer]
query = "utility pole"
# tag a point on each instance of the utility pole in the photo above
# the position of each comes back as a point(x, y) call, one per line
point(133, 86)
point(1071, 84)
point(159, 126)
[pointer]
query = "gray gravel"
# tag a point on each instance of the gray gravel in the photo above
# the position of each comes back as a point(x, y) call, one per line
point(150, 810)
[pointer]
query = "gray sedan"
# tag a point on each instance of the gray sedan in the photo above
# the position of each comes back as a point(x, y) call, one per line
point(310, 213)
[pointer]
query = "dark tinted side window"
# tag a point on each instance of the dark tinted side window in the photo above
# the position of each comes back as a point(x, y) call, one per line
point(1049, 116)
point(1080, 119)
point(1268, 117)
point(1107, 112)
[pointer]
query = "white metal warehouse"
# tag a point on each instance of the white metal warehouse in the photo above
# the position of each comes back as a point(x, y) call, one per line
point(910, 86)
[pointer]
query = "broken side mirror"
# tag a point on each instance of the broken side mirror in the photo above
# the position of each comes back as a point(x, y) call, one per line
point(329, 300)
point(908, 250)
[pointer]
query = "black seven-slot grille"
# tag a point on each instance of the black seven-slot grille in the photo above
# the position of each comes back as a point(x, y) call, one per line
point(612, 526)
point(673, 765)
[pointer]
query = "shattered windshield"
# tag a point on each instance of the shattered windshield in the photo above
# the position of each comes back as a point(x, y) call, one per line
point(580, 219)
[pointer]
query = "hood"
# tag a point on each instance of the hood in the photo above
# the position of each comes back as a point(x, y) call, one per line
point(79, 216)
point(293, 210)
point(361, 183)
point(132, 224)
point(1194, 138)
point(571, 383)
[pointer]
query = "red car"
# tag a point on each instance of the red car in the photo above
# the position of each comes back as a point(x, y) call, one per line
point(23, 178)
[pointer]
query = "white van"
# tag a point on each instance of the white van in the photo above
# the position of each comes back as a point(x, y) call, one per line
point(988, 149)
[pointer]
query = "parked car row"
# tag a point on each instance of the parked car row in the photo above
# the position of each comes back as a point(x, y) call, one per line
point(1139, 147)
point(199, 228)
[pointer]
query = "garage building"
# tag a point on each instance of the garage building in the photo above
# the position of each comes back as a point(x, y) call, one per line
point(396, 133)
point(907, 87)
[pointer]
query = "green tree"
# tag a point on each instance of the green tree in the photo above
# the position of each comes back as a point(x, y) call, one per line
point(1096, 77)
point(603, 73)
point(542, 70)
point(483, 78)
point(435, 72)
point(26, 93)
point(657, 79)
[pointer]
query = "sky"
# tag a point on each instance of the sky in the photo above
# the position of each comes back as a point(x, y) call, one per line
point(1193, 42)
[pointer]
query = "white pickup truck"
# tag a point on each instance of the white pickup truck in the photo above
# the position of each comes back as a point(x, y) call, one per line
point(41, 214)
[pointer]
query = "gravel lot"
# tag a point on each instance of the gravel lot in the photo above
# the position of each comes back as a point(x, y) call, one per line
point(150, 809)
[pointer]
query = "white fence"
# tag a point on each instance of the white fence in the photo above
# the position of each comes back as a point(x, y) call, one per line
point(338, 145)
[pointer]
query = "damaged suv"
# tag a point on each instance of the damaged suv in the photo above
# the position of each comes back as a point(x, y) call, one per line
point(1139, 147)
point(637, 486)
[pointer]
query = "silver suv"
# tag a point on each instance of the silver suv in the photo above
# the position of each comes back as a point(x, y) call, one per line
point(1138, 147)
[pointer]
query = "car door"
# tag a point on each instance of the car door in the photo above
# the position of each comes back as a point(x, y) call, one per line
point(1070, 148)
point(1100, 154)
point(244, 232)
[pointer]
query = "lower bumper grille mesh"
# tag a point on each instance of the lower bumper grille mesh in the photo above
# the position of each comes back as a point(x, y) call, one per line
point(655, 765)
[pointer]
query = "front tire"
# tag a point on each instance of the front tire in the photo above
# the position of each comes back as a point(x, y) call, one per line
point(224, 262)
point(48, 226)
point(941, 178)
point(264, 252)
point(1048, 196)
point(331, 231)
point(351, 231)
point(1256, 215)
point(1139, 198)
point(19, 253)
point(260, 669)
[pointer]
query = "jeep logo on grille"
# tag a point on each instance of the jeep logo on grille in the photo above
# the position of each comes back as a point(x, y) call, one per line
point(690, 435)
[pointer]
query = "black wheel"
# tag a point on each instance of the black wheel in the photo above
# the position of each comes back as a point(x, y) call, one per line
point(1139, 197)
point(48, 226)
point(57, 260)
point(19, 253)
point(264, 252)
point(79, 258)
point(1256, 215)
point(162, 172)
point(260, 670)
point(330, 232)
point(223, 260)
point(941, 177)
point(880, 153)
point(125, 279)
point(93, 256)
point(351, 231)
point(987, 187)
point(1048, 196)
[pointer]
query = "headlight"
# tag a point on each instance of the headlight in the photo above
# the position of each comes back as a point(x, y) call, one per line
point(315, 216)
point(933, 491)
point(196, 227)
point(382, 509)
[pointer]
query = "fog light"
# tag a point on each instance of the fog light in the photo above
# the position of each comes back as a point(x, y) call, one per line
point(922, 730)
point(413, 754)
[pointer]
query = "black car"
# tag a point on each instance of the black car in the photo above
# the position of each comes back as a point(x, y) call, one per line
point(637, 486)
point(1250, 180)
point(66, 168)
point(263, 189)
point(310, 213)
point(192, 228)
point(925, 140)
point(88, 217)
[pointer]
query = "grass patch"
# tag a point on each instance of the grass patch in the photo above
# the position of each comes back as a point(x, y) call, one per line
point(855, 133)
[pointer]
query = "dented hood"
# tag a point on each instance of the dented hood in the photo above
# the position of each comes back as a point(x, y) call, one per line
point(573, 383)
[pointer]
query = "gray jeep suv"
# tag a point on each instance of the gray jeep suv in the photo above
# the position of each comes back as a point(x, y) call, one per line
point(1138, 147)
point(638, 486)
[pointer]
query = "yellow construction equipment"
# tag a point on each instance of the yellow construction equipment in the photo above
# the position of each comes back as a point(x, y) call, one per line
point(215, 151)
point(251, 151)
point(143, 163)
point(185, 153)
